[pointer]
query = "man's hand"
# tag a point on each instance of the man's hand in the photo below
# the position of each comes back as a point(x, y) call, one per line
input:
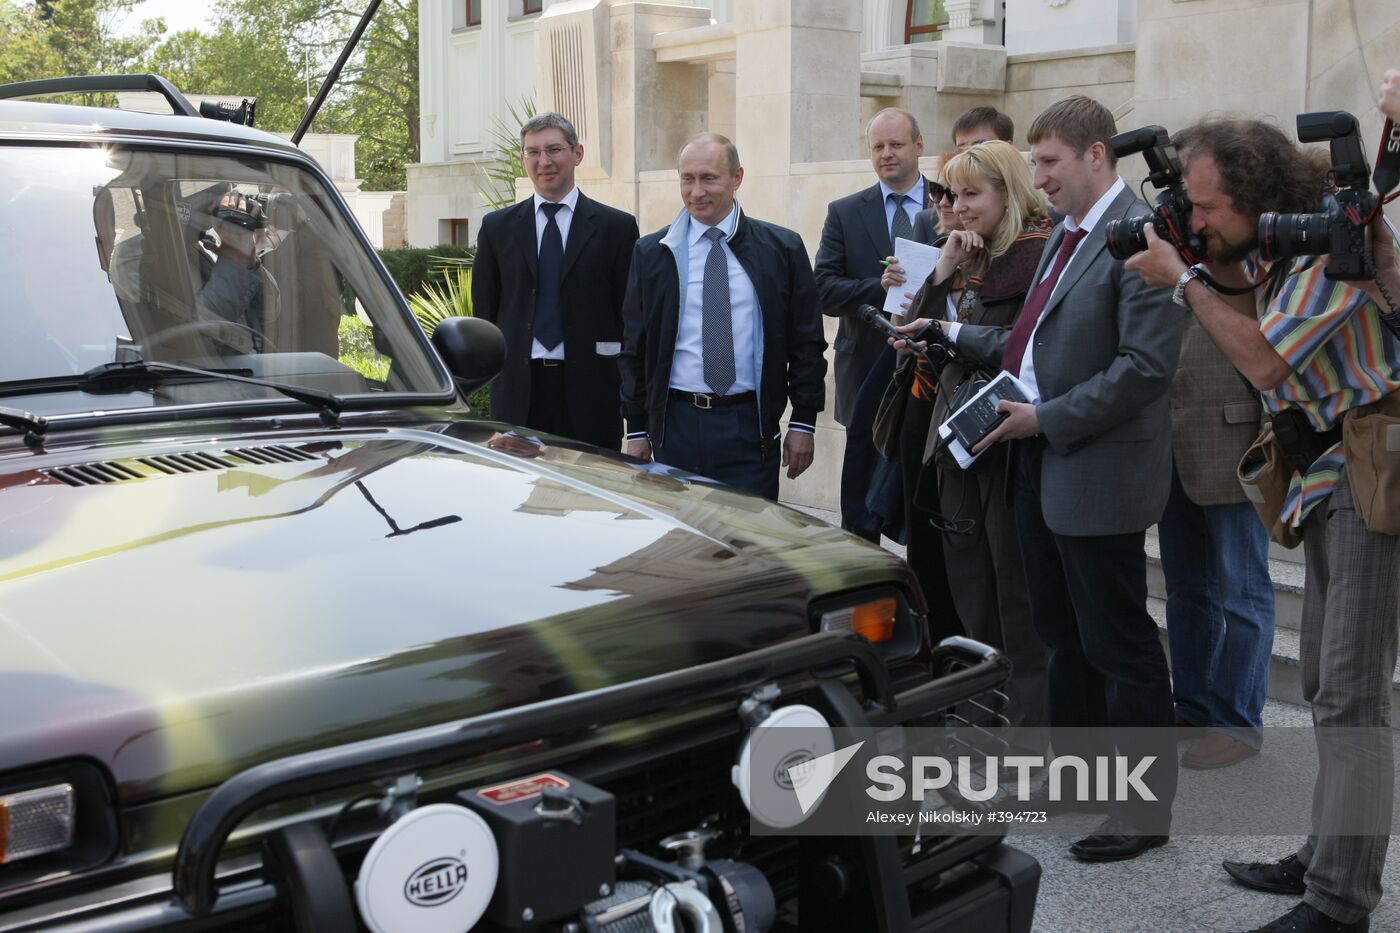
point(893, 275)
point(639, 448)
point(1390, 95)
point(1160, 265)
point(1021, 421)
point(798, 449)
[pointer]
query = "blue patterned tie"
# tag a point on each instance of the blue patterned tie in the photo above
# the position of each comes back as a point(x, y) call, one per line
point(717, 324)
point(900, 227)
point(549, 318)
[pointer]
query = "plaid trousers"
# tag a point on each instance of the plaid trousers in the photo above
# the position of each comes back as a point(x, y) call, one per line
point(1350, 608)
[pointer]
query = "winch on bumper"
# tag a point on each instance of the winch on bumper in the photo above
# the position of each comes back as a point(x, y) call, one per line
point(568, 850)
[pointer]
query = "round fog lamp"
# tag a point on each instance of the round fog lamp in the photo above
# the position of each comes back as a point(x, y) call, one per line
point(432, 871)
point(778, 774)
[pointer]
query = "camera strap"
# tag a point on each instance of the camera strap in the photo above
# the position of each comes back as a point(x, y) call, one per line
point(1387, 173)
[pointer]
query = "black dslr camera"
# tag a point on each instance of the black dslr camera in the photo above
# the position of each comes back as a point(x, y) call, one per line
point(1339, 230)
point(1171, 213)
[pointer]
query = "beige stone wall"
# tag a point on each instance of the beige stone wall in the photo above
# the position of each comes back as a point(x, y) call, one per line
point(396, 223)
point(1035, 81)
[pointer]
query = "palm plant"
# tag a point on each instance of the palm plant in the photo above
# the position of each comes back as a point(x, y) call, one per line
point(507, 165)
point(453, 298)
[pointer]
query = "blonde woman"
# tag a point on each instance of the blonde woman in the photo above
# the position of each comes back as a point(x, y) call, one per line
point(982, 277)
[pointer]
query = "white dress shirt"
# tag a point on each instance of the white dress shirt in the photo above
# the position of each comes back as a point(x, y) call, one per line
point(688, 363)
point(562, 219)
point(1091, 220)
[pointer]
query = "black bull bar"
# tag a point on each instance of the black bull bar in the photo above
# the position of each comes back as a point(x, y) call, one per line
point(387, 756)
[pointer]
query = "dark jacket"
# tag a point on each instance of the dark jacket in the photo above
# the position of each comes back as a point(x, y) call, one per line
point(995, 301)
point(593, 280)
point(855, 238)
point(790, 352)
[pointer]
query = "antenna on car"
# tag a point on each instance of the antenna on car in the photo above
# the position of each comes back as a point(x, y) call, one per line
point(315, 106)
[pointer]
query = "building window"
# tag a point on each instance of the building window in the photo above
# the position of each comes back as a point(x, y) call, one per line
point(461, 231)
point(473, 12)
point(924, 20)
point(527, 7)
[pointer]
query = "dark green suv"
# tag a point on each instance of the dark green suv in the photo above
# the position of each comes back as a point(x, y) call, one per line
point(271, 594)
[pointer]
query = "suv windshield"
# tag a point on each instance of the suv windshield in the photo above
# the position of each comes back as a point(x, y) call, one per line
point(238, 264)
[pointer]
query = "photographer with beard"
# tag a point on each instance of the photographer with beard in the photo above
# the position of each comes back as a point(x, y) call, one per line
point(1318, 352)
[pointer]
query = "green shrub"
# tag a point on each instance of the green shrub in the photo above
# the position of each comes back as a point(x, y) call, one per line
point(413, 267)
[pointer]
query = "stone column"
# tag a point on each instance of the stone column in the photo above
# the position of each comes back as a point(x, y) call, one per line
point(797, 83)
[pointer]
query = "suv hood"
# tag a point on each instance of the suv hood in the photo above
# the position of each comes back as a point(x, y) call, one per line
point(202, 607)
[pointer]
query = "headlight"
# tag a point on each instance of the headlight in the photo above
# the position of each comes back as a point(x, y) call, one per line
point(36, 822)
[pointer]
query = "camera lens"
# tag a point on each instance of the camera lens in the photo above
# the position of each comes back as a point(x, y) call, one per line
point(1125, 237)
point(1283, 236)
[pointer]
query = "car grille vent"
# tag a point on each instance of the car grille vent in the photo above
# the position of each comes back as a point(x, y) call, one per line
point(172, 464)
point(116, 471)
point(94, 474)
point(277, 453)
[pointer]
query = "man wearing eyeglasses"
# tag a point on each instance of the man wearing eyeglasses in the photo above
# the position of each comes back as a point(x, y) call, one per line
point(551, 273)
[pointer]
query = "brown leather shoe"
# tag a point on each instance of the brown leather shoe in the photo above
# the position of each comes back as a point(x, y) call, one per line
point(1216, 750)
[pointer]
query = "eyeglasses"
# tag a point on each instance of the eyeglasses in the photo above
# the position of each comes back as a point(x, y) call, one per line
point(553, 152)
point(941, 192)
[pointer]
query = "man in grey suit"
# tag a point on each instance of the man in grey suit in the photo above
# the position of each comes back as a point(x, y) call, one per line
point(1091, 468)
point(1215, 557)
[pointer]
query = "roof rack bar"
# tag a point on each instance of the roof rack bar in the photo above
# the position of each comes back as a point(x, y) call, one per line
point(91, 84)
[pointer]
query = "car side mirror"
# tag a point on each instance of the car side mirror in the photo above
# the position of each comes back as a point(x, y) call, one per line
point(473, 350)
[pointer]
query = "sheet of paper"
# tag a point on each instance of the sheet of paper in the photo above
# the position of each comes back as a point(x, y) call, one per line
point(964, 457)
point(918, 260)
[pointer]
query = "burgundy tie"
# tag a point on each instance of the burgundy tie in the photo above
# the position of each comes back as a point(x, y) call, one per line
point(1035, 304)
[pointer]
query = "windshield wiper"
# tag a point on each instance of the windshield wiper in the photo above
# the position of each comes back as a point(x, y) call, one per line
point(33, 425)
point(120, 375)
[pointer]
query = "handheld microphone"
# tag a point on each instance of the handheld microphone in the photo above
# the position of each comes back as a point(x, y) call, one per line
point(931, 335)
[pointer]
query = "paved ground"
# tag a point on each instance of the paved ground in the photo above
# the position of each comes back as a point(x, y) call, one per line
point(1177, 888)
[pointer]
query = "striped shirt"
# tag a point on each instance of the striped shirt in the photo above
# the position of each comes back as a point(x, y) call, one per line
point(1330, 335)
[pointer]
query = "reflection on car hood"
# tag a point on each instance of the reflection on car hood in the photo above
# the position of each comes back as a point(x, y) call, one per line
point(240, 600)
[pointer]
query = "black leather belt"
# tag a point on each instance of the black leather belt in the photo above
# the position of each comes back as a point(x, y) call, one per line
point(541, 361)
point(706, 401)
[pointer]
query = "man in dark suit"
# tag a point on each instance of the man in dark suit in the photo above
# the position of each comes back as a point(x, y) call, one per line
point(722, 331)
point(858, 235)
point(551, 272)
point(1091, 468)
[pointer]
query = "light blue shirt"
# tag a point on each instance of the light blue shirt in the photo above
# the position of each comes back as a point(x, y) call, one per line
point(913, 203)
point(688, 364)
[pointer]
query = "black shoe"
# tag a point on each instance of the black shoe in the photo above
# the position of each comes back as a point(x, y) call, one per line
point(1306, 918)
point(1282, 877)
point(1115, 841)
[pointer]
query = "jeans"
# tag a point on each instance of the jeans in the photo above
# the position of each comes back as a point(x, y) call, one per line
point(1220, 612)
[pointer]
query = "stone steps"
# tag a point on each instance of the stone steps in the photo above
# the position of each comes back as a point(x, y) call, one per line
point(1285, 668)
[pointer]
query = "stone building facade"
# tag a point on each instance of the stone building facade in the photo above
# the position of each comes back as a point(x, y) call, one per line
point(794, 81)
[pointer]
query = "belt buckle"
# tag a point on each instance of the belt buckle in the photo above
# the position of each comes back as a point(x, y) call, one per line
point(698, 397)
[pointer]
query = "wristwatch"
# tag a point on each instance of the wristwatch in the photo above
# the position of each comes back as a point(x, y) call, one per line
point(1179, 293)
